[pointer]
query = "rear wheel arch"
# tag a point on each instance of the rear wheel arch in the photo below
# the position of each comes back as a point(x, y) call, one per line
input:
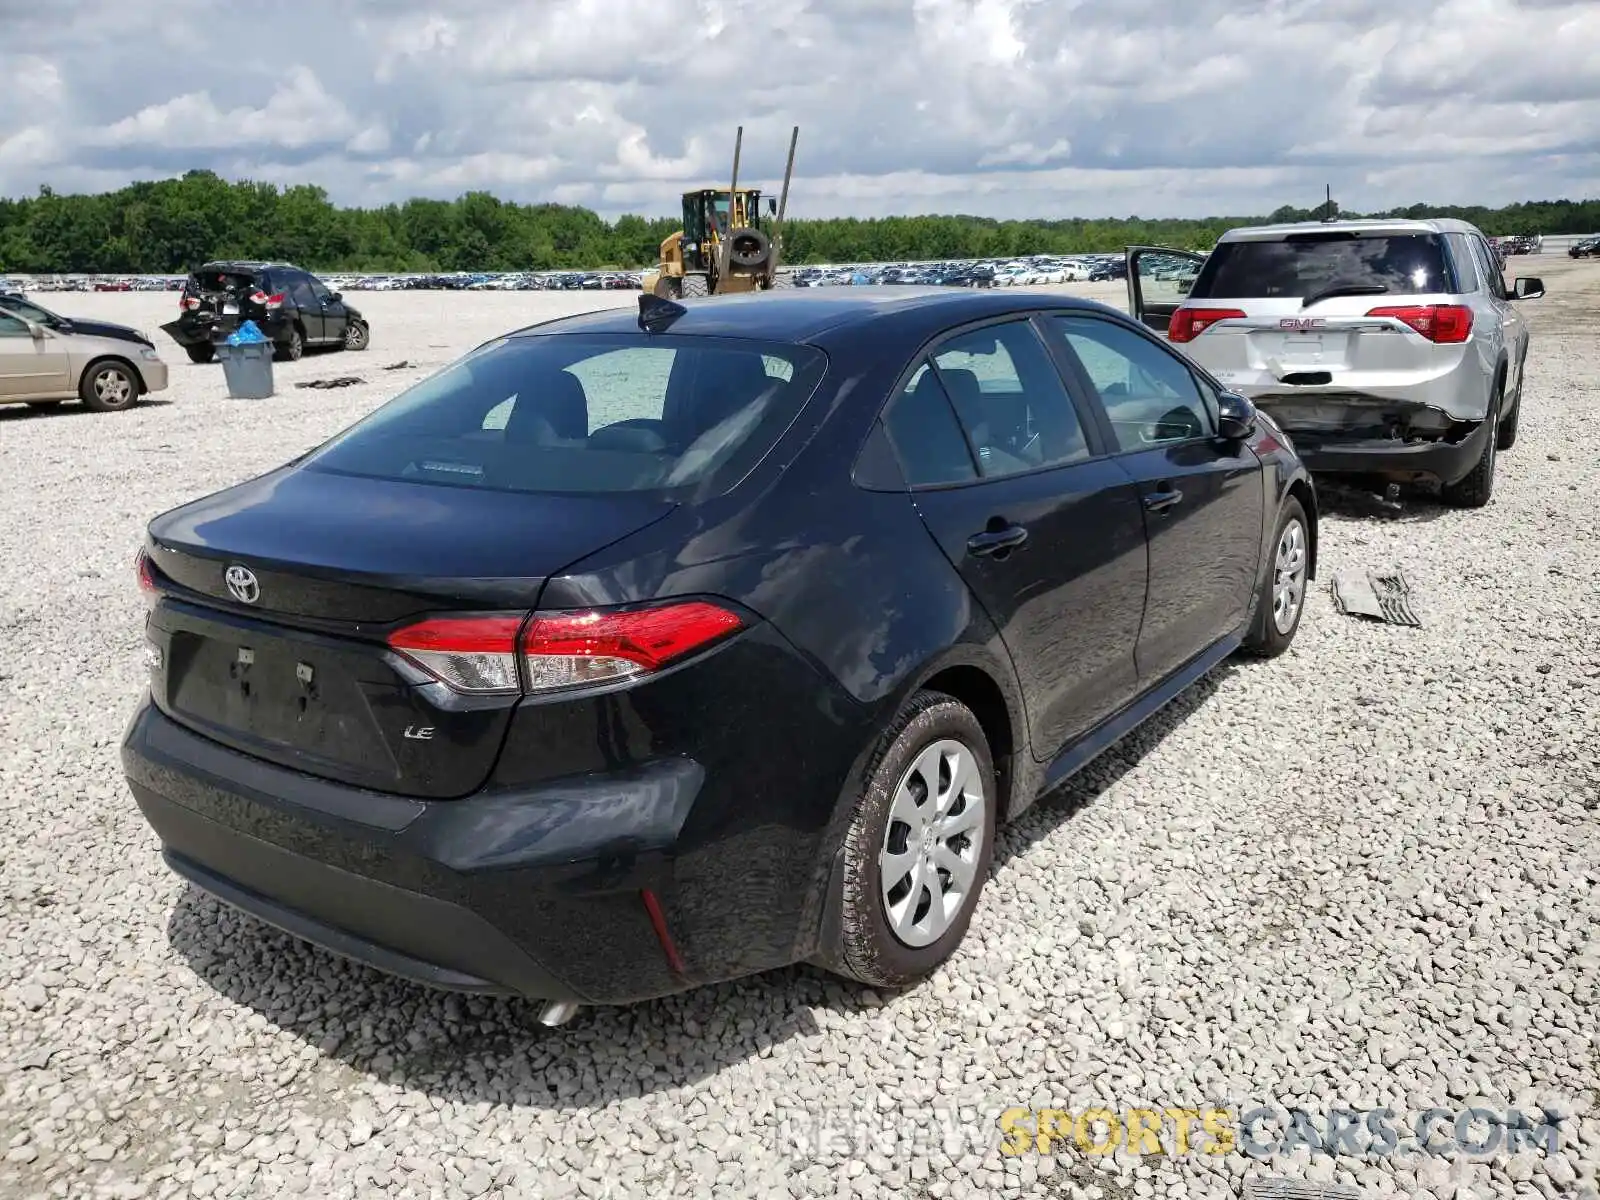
point(978, 690)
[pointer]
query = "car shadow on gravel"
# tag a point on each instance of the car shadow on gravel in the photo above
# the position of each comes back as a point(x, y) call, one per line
point(475, 1049)
point(66, 408)
point(1351, 503)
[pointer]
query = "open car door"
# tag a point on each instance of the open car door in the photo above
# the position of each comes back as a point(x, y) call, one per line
point(1159, 278)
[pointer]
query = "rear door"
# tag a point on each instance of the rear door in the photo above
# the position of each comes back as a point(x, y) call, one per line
point(31, 366)
point(1047, 532)
point(1159, 279)
point(1202, 498)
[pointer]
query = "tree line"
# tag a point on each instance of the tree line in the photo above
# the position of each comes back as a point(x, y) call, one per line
point(172, 225)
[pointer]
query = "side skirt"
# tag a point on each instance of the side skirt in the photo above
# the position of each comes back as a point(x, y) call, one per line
point(1117, 726)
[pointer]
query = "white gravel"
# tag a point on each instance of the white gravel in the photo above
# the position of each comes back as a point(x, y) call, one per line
point(1363, 874)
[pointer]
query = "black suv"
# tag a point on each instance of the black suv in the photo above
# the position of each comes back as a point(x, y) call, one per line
point(292, 307)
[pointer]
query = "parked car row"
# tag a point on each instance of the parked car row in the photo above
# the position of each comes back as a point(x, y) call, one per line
point(1025, 271)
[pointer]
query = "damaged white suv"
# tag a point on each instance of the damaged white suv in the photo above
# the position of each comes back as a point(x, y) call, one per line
point(1382, 348)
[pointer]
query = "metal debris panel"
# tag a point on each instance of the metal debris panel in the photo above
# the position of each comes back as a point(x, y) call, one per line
point(1381, 595)
point(1260, 1188)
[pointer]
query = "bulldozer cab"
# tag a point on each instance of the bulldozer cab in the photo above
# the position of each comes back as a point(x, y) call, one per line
point(708, 216)
point(724, 245)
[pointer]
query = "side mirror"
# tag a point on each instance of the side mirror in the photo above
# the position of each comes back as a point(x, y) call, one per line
point(1236, 416)
point(1527, 288)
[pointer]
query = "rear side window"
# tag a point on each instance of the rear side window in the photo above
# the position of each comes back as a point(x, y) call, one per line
point(11, 326)
point(1302, 265)
point(1465, 261)
point(587, 413)
point(922, 425)
point(232, 283)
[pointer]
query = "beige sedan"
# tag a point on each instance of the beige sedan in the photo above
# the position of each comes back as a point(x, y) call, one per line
point(106, 367)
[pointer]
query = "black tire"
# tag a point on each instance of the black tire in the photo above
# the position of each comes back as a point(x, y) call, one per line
point(694, 285)
point(1267, 638)
point(291, 350)
point(749, 248)
point(109, 386)
point(668, 287)
point(870, 951)
point(203, 353)
point(1507, 436)
point(357, 336)
point(1477, 487)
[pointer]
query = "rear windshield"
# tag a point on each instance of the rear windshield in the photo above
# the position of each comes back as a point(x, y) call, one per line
point(232, 282)
point(587, 413)
point(1409, 264)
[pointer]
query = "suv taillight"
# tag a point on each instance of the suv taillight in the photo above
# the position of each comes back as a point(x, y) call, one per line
point(273, 301)
point(559, 650)
point(1443, 323)
point(188, 303)
point(147, 577)
point(1189, 323)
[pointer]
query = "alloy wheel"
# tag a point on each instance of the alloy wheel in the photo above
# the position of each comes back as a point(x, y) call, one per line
point(1289, 576)
point(932, 843)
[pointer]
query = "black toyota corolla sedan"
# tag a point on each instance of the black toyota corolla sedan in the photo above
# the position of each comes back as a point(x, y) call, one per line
point(642, 649)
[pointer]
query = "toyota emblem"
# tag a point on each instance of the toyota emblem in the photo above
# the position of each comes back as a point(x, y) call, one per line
point(242, 584)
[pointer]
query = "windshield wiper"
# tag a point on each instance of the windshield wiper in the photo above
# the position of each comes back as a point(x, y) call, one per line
point(1343, 289)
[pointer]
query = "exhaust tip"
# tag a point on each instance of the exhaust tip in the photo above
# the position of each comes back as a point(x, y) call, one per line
point(557, 1012)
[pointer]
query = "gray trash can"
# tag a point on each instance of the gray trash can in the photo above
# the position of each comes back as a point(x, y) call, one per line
point(248, 369)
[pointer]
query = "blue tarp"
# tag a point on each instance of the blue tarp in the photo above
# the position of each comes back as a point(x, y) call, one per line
point(246, 335)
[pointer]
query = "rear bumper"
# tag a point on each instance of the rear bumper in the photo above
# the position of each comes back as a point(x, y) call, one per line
point(535, 893)
point(203, 331)
point(1441, 461)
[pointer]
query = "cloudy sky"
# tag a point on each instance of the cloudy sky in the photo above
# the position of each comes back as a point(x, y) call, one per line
point(1002, 107)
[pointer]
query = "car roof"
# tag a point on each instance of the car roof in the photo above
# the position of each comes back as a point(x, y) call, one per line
point(239, 264)
point(803, 315)
point(1271, 233)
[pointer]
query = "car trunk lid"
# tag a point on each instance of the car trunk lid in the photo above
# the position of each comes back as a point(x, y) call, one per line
point(278, 595)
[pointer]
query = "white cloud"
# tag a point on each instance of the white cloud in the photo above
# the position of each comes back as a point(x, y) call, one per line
point(1006, 107)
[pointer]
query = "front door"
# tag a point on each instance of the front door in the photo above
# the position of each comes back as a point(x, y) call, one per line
point(1046, 531)
point(308, 306)
point(31, 366)
point(334, 316)
point(1202, 497)
point(1159, 280)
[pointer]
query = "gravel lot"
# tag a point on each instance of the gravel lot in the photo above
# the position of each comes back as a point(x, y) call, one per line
point(1365, 874)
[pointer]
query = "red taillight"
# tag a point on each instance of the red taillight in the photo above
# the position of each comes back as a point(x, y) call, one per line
point(147, 574)
point(188, 303)
point(559, 649)
point(567, 649)
point(1444, 323)
point(273, 301)
point(469, 654)
point(1189, 323)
